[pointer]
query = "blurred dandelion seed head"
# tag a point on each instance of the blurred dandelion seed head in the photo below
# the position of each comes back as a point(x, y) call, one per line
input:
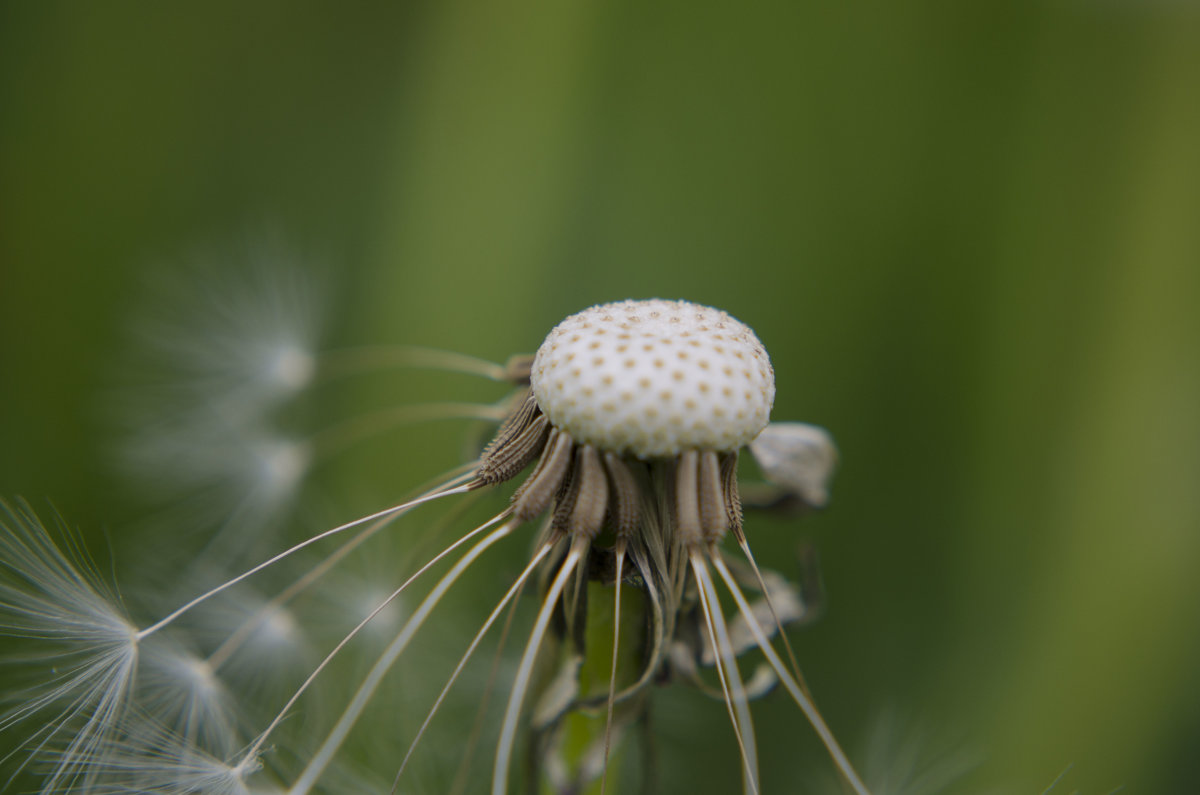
point(221, 356)
point(279, 629)
point(290, 366)
point(279, 465)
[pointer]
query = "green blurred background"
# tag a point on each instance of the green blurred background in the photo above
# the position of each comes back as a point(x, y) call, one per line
point(968, 233)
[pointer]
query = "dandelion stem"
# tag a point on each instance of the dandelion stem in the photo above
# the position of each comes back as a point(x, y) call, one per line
point(612, 679)
point(509, 729)
point(491, 619)
point(324, 755)
point(745, 545)
point(387, 512)
point(658, 622)
point(806, 705)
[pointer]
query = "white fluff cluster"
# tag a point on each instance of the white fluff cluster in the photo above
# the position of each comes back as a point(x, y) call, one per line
point(654, 378)
point(223, 351)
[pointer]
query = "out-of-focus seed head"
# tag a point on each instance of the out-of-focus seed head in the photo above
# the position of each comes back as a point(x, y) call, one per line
point(797, 457)
point(654, 378)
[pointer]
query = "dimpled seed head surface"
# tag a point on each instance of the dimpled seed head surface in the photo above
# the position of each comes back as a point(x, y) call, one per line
point(654, 378)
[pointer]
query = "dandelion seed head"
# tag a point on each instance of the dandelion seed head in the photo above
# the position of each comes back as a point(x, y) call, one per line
point(653, 378)
point(219, 474)
point(279, 628)
point(388, 618)
point(291, 366)
point(254, 645)
point(61, 615)
point(150, 757)
point(182, 689)
point(223, 347)
point(236, 325)
point(280, 464)
point(798, 457)
point(905, 756)
point(198, 673)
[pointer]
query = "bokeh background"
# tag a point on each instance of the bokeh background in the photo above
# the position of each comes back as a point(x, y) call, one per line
point(968, 233)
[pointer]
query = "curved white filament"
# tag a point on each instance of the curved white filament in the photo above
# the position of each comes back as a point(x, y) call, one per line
point(324, 755)
point(521, 683)
point(802, 701)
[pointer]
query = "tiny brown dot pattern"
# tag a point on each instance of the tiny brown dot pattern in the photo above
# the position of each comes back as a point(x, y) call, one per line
point(650, 398)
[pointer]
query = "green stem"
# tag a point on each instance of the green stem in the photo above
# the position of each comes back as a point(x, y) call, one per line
point(570, 723)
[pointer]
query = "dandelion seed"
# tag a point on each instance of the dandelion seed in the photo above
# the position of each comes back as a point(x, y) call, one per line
point(258, 644)
point(797, 459)
point(227, 344)
point(151, 758)
point(184, 691)
point(903, 757)
point(71, 625)
point(237, 326)
point(65, 617)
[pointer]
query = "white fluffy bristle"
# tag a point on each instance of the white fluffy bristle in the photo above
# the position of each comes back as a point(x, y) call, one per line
point(654, 378)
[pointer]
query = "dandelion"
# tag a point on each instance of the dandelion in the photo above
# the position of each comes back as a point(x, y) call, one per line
point(630, 419)
point(649, 401)
point(634, 417)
